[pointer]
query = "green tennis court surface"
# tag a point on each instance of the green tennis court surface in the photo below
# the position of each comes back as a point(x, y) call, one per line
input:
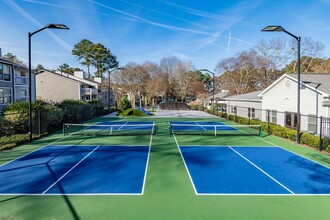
point(168, 192)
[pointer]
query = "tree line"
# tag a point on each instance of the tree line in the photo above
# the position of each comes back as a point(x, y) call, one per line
point(258, 67)
point(170, 80)
point(177, 80)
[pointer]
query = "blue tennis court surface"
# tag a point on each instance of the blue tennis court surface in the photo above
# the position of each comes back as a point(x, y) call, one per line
point(123, 125)
point(199, 126)
point(77, 170)
point(253, 170)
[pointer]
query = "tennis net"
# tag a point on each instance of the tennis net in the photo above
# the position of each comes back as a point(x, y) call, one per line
point(216, 130)
point(109, 129)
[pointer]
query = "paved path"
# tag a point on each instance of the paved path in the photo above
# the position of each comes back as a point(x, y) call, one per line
point(172, 114)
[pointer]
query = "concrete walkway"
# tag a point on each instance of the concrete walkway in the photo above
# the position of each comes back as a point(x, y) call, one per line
point(172, 114)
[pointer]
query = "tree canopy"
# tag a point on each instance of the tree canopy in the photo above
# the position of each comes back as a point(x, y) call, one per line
point(96, 55)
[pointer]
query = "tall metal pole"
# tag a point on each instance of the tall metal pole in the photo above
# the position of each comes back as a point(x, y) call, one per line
point(30, 90)
point(298, 38)
point(213, 92)
point(52, 26)
point(298, 98)
point(109, 90)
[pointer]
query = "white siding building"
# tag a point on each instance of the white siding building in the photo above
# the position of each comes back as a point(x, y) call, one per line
point(245, 105)
point(278, 102)
point(281, 99)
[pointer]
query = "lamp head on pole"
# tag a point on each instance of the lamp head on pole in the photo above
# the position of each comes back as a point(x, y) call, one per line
point(57, 26)
point(273, 28)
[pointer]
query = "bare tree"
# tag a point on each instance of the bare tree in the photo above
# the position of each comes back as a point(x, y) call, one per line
point(310, 49)
point(239, 73)
point(271, 56)
point(168, 66)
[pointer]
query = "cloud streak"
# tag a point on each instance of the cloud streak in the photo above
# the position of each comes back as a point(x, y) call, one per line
point(51, 5)
point(166, 14)
point(26, 15)
point(212, 36)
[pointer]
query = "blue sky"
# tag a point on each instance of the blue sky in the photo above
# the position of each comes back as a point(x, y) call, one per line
point(202, 32)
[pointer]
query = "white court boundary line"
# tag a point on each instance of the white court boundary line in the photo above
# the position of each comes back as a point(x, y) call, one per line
point(293, 152)
point(200, 125)
point(184, 162)
point(147, 163)
point(264, 172)
point(50, 144)
point(70, 170)
point(289, 151)
point(122, 126)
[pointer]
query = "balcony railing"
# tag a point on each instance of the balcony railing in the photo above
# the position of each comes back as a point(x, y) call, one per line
point(19, 80)
point(89, 91)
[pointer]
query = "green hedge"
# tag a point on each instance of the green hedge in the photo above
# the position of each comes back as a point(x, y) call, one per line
point(46, 118)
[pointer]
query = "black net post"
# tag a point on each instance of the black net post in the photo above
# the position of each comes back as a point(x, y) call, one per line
point(321, 144)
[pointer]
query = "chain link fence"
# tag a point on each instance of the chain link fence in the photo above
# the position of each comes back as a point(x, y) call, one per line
point(14, 127)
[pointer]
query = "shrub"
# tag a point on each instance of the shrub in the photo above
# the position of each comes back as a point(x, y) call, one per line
point(132, 112)
point(231, 117)
point(310, 139)
point(8, 142)
point(76, 111)
point(124, 103)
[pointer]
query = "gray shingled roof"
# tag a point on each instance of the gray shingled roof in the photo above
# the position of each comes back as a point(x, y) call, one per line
point(246, 96)
point(219, 95)
point(315, 78)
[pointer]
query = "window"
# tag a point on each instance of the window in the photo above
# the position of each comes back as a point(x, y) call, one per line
point(5, 95)
point(274, 116)
point(291, 120)
point(233, 110)
point(251, 113)
point(23, 93)
point(312, 123)
point(4, 72)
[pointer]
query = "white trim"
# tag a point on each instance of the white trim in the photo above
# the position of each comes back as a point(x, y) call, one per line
point(296, 81)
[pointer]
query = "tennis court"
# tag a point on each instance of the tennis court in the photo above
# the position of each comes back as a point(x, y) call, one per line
point(156, 168)
point(247, 170)
point(81, 169)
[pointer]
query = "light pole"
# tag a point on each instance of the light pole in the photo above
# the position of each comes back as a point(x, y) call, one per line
point(51, 26)
point(298, 38)
point(206, 70)
point(109, 87)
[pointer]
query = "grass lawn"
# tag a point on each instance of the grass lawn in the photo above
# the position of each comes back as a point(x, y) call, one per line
point(169, 193)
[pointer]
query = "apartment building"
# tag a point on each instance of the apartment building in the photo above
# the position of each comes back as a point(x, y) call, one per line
point(14, 83)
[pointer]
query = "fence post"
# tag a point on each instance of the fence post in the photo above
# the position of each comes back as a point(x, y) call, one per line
point(268, 121)
point(39, 121)
point(321, 144)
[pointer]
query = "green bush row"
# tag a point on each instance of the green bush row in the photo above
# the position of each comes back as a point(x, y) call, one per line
point(46, 118)
point(280, 131)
